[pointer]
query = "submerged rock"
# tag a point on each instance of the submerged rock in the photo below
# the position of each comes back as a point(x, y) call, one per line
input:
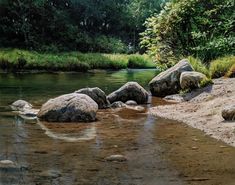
point(97, 95)
point(72, 107)
point(228, 113)
point(191, 79)
point(118, 104)
point(129, 91)
point(168, 82)
point(116, 158)
point(21, 105)
point(7, 164)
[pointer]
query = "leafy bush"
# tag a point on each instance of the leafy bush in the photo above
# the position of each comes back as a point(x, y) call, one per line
point(221, 66)
point(202, 28)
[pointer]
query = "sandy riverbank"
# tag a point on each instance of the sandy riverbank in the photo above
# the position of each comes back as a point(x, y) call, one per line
point(201, 109)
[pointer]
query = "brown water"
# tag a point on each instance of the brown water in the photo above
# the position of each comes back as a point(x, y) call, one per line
point(158, 152)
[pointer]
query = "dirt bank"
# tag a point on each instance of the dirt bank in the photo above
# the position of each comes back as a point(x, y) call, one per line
point(202, 109)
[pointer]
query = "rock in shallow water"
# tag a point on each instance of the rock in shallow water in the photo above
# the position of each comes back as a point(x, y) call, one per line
point(228, 113)
point(21, 105)
point(5, 164)
point(72, 107)
point(168, 82)
point(116, 158)
point(97, 95)
point(129, 91)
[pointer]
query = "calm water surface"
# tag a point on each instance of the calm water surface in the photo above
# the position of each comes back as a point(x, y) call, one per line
point(67, 154)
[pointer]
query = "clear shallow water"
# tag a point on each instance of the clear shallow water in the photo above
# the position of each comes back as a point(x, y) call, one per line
point(55, 153)
point(159, 152)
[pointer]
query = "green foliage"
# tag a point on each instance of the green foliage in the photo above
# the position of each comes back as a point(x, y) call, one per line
point(74, 25)
point(205, 82)
point(221, 66)
point(199, 66)
point(16, 60)
point(204, 29)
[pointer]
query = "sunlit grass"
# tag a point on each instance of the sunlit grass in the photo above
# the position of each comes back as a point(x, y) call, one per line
point(221, 66)
point(15, 59)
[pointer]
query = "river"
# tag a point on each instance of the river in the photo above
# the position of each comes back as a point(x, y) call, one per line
point(158, 152)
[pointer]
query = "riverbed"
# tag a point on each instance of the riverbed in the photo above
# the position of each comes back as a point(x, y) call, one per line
point(158, 151)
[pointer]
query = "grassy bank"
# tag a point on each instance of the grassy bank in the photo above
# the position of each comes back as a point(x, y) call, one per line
point(18, 60)
point(224, 66)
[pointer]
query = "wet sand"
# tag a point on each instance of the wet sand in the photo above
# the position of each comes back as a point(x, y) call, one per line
point(203, 110)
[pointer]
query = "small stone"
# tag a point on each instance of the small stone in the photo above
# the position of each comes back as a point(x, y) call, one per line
point(194, 148)
point(50, 174)
point(116, 158)
point(131, 102)
point(7, 164)
point(228, 112)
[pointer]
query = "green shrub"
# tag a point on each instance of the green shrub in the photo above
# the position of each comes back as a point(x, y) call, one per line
point(199, 66)
point(221, 66)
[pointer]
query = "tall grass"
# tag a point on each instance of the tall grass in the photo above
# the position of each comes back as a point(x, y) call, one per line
point(221, 66)
point(199, 66)
point(16, 60)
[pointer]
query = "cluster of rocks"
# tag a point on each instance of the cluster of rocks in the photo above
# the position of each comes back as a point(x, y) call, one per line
point(180, 76)
point(82, 105)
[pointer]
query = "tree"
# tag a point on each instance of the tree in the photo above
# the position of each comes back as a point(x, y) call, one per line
point(203, 28)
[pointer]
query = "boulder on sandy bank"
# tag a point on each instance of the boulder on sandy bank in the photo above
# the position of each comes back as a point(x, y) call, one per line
point(21, 105)
point(191, 79)
point(168, 82)
point(129, 91)
point(97, 95)
point(228, 113)
point(72, 107)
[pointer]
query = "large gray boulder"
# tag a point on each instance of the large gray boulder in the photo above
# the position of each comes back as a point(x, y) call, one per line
point(97, 95)
point(168, 82)
point(72, 107)
point(228, 113)
point(129, 91)
point(191, 79)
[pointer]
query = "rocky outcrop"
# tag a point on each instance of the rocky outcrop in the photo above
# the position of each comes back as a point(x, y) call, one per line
point(72, 107)
point(21, 105)
point(228, 113)
point(129, 91)
point(191, 79)
point(168, 82)
point(97, 95)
